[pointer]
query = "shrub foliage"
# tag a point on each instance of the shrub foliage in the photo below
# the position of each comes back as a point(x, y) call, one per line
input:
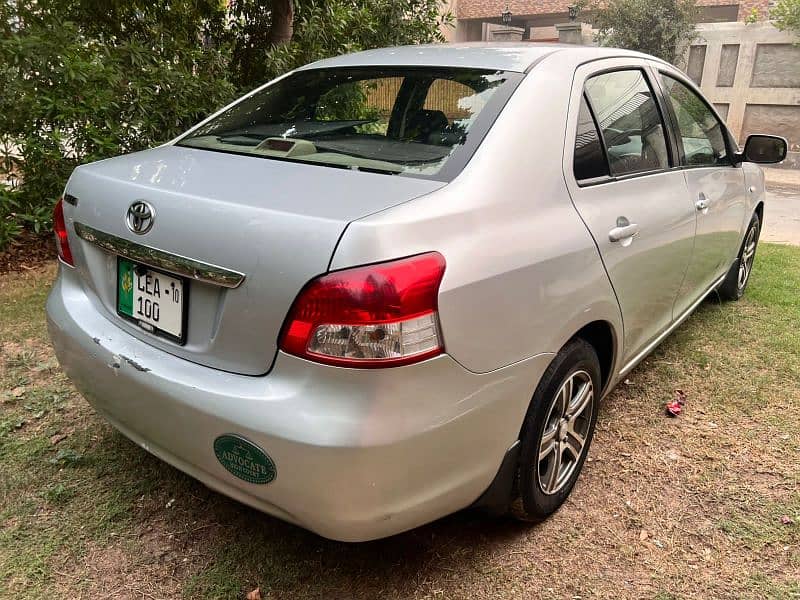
point(786, 15)
point(83, 80)
point(662, 28)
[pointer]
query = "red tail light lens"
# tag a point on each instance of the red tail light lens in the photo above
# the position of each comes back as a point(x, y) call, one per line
point(375, 316)
point(60, 229)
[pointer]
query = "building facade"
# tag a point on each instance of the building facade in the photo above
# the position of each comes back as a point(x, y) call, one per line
point(538, 18)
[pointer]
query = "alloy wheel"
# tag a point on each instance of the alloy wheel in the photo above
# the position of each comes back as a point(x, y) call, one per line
point(565, 432)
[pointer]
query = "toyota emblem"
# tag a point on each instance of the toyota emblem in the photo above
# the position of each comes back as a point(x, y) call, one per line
point(140, 217)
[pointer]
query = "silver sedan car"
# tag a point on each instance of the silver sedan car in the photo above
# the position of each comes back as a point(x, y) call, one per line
point(391, 285)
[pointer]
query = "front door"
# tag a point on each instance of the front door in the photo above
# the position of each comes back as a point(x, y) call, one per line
point(715, 186)
point(619, 172)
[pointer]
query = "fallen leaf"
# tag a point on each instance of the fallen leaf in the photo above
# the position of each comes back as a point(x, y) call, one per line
point(787, 520)
point(59, 437)
point(254, 595)
point(643, 535)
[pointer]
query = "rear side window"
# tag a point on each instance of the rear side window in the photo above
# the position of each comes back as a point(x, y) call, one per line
point(701, 134)
point(629, 120)
point(589, 161)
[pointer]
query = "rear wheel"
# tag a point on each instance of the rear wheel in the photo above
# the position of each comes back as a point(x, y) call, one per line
point(735, 282)
point(557, 431)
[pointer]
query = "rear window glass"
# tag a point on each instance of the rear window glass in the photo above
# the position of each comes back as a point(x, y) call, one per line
point(421, 122)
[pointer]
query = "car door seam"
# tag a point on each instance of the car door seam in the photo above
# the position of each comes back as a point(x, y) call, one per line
point(564, 150)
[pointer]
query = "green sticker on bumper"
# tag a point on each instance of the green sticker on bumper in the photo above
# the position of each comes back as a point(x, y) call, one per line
point(244, 459)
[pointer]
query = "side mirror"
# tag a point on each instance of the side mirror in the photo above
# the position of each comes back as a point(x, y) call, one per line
point(763, 149)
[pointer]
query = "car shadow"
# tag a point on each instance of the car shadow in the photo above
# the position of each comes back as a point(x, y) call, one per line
point(228, 539)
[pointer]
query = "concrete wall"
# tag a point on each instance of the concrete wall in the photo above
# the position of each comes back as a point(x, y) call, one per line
point(489, 9)
point(752, 74)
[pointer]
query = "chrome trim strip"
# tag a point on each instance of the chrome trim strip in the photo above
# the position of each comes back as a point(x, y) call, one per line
point(188, 267)
point(675, 324)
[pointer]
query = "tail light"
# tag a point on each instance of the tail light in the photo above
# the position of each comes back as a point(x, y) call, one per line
point(381, 315)
point(60, 229)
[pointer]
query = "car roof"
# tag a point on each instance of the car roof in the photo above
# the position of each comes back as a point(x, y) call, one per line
point(517, 57)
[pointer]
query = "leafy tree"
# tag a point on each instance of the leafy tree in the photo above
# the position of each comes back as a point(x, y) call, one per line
point(159, 22)
point(662, 28)
point(786, 15)
point(257, 26)
point(265, 47)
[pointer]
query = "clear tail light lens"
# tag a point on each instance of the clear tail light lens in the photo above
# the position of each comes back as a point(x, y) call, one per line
point(374, 316)
point(60, 229)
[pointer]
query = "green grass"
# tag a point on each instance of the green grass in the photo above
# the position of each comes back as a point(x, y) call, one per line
point(83, 511)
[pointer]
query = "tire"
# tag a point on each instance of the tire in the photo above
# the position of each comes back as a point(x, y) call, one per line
point(735, 283)
point(544, 484)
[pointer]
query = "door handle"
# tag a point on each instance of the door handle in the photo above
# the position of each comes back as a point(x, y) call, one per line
point(702, 203)
point(623, 232)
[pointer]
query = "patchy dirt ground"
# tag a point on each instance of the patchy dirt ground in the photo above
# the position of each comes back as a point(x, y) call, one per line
point(703, 506)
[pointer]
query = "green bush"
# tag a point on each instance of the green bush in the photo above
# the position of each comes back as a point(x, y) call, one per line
point(67, 99)
point(83, 80)
point(10, 223)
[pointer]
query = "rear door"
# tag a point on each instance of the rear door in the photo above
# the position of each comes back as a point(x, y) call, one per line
point(619, 168)
point(715, 185)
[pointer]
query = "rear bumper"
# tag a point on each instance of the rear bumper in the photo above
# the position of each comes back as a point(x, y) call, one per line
point(359, 454)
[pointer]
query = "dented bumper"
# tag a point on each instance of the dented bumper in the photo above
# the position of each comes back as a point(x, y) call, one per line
point(356, 454)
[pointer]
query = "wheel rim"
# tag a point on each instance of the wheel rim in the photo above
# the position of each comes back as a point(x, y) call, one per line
point(746, 260)
point(565, 432)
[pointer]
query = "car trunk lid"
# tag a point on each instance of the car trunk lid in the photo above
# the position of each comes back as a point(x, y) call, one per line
point(276, 223)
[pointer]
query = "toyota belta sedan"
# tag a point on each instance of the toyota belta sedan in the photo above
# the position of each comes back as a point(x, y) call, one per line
point(394, 284)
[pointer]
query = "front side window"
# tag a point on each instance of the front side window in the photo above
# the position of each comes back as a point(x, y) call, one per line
point(629, 120)
point(700, 132)
point(411, 121)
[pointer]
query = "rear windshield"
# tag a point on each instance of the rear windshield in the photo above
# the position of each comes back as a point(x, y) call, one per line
point(420, 122)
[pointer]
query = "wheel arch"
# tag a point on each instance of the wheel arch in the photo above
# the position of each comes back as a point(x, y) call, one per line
point(602, 337)
point(497, 498)
point(760, 212)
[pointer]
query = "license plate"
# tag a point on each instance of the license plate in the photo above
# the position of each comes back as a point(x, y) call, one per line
point(153, 300)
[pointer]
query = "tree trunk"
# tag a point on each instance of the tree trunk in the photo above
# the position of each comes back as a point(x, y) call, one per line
point(281, 29)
